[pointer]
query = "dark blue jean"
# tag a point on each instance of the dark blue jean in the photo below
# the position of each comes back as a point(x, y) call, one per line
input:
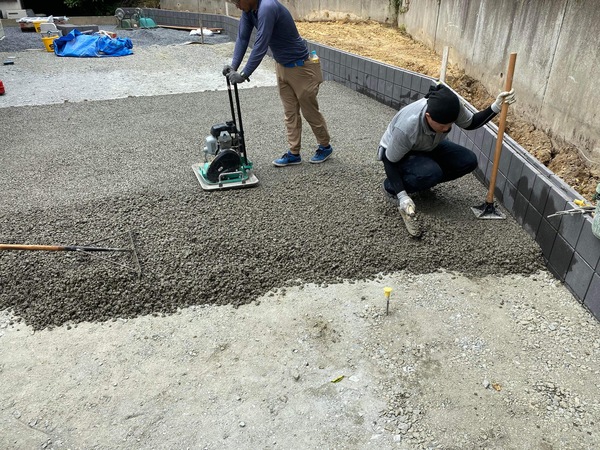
point(423, 170)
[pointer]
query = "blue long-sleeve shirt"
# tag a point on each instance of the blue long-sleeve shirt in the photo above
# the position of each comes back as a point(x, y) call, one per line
point(275, 28)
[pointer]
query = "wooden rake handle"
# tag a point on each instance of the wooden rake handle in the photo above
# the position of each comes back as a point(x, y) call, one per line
point(61, 248)
point(501, 126)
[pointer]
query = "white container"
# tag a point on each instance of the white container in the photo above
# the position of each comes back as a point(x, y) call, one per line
point(15, 13)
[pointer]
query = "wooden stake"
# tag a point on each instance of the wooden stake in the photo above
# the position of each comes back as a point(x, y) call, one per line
point(444, 65)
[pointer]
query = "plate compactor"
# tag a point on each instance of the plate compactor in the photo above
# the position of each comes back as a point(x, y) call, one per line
point(226, 165)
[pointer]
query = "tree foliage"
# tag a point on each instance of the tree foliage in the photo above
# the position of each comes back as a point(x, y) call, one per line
point(107, 7)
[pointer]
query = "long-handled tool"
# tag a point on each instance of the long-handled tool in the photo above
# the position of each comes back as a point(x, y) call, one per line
point(571, 212)
point(230, 167)
point(90, 249)
point(488, 210)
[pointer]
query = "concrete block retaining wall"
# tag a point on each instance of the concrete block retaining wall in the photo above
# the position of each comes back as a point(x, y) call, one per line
point(525, 187)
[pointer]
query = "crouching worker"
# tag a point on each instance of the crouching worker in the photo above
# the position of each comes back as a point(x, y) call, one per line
point(416, 154)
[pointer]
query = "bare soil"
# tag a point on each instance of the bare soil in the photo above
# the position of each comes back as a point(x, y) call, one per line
point(393, 46)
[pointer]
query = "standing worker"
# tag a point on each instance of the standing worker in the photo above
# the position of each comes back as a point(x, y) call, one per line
point(415, 153)
point(298, 76)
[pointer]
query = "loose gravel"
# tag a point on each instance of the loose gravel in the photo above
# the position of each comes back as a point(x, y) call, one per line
point(259, 319)
point(80, 171)
point(96, 169)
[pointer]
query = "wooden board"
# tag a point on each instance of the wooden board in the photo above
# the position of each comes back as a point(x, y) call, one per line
point(177, 27)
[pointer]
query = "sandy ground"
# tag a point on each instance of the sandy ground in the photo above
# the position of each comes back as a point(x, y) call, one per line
point(457, 363)
point(503, 359)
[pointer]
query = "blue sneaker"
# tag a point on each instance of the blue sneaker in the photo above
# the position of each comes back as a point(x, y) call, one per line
point(322, 154)
point(288, 159)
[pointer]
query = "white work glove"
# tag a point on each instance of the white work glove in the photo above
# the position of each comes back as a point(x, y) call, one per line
point(405, 203)
point(507, 97)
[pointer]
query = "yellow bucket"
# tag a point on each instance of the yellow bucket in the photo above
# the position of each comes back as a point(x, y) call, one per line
point(36, 24)
point(49, 42)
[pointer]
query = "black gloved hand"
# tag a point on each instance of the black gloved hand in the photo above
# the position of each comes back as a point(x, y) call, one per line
point(227, 69)
point(235, 77)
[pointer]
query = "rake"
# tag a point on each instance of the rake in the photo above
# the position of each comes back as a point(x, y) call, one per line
point(90, 249)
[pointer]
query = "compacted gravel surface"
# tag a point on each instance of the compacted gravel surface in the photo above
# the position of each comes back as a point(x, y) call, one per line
point(97, 169)
point(259, 318)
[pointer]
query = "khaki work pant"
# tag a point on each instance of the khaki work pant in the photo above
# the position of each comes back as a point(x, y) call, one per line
point(298, 89)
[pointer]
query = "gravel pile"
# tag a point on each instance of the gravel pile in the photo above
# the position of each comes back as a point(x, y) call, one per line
point(74, 173)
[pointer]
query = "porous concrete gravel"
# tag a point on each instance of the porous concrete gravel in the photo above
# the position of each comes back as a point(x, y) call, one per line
point(264, 295)
point(96, 169)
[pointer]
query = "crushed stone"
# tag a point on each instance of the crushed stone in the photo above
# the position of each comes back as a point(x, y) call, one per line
point(105, 167)
point(239, 326)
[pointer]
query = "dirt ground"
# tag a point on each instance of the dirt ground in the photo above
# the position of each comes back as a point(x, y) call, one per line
point(392, 46)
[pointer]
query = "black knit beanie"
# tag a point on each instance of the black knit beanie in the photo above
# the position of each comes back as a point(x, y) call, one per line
point(442, 104)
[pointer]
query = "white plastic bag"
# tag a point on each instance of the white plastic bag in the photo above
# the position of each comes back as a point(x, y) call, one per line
point(204, 31)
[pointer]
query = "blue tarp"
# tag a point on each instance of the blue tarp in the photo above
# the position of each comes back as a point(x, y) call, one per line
point(91, 46)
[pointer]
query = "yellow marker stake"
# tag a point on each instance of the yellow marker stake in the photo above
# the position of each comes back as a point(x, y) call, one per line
point(387, 291)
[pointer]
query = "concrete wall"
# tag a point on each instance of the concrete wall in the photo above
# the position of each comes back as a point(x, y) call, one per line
point(378, 10)
point(79, 20)
point(558, 55)
point(340, 9)
point(574, 74)
point(203, 6)
point(92, 20)
point(556, 41)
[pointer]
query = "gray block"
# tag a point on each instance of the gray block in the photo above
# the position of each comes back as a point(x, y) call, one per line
point(85, 29)
point(579, 277)
point(592, 298)
point(560, 258)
